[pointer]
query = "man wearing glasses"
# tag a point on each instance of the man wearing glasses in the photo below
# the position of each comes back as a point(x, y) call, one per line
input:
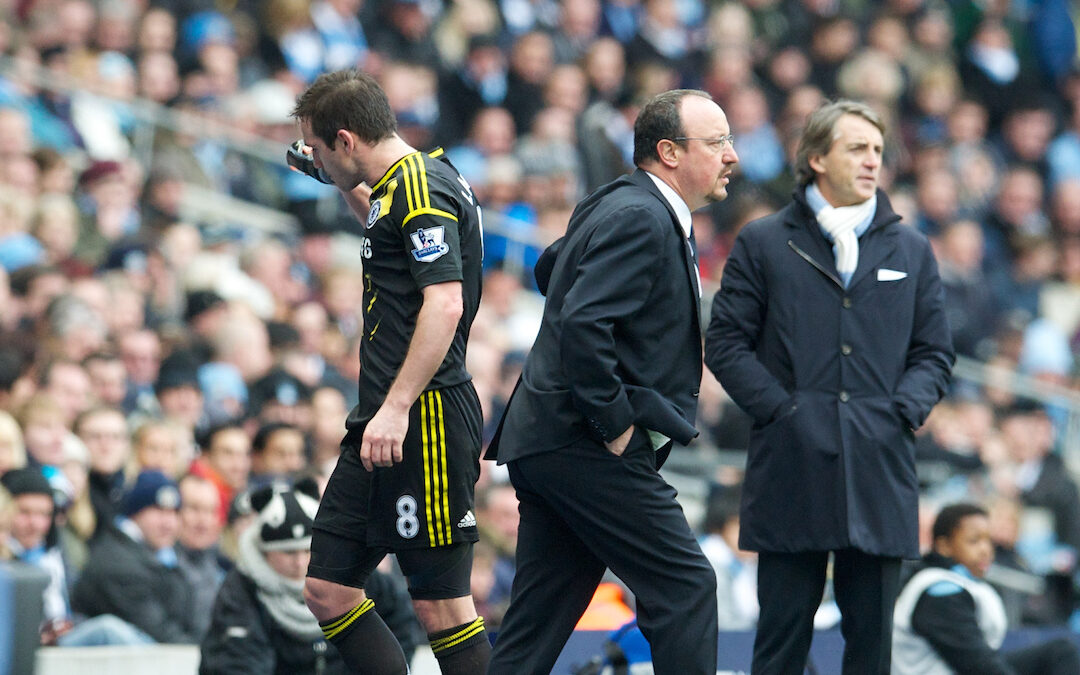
point(610, 383)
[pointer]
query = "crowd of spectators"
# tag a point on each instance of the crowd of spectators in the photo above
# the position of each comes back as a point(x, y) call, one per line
point(137, 339)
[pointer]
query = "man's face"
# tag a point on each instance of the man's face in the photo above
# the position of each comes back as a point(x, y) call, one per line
point(336, 161)
point(705, 166)
point(848, 173)
point(160, 527)
point(200, 516)
point(107, 442)
point(32, 519)
point(283, 454)
point(970, 545)
point(289, 564)
point(108, 380)
point(230, 456)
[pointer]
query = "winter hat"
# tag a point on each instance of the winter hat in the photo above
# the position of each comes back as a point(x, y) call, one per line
point(285, 515)
point(26, 481)
point(152, 488)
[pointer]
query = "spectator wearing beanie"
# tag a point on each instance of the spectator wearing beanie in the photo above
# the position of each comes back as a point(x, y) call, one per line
point(132, 571)
point(33, 540)
point(260, 623)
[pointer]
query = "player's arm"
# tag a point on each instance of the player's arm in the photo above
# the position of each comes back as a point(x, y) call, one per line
point(436, 325)
point(299, 158)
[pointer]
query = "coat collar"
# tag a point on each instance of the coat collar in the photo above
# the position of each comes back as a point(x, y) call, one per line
point(874, 245)
point(641, 179)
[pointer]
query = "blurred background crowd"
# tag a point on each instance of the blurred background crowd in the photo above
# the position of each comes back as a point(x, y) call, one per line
point(177, 306)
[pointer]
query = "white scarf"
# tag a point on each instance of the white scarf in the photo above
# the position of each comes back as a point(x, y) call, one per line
point(283, 598)
point(840, 223)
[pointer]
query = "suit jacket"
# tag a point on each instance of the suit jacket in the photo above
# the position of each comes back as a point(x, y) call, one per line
point(620, 340)
point(834, 378)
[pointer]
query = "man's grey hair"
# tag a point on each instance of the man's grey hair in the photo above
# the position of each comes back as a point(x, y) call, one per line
point(820, 132)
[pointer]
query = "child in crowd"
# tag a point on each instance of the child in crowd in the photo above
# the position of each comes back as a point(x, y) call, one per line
point(948, 620)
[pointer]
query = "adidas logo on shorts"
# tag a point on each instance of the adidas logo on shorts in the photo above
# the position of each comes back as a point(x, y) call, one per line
point(469, 520)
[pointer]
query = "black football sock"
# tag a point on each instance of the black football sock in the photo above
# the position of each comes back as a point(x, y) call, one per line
point(462, 650)
point(365, 643)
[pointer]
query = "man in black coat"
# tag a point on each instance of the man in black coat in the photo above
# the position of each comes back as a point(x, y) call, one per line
point(132, 572)
point(612, 379)
point(829, 331)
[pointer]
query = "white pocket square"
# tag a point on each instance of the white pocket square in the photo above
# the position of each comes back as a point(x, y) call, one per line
point(890, 275)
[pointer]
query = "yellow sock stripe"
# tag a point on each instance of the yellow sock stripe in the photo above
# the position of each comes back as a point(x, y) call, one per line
point(333, 629)
point(445, 478)
point(426, 444)
point(474, 628)
point(437, 479)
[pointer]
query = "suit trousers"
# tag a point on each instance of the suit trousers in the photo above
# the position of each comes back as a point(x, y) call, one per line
point(584, 509)
point(790, 587)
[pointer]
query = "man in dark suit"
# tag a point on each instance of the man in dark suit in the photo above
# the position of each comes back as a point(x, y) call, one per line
point(612, 379)
point(829, 331)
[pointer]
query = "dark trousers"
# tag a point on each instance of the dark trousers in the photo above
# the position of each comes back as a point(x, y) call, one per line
point(584, 509)
point(790, 587)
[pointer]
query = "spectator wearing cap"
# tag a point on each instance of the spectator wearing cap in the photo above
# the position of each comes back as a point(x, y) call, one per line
point(33, 540)
point(133, 570)
point(282, 397)
point(178, 392)
point(204, 313)
point(260, 623)
point(107, 200)
point(278, 452)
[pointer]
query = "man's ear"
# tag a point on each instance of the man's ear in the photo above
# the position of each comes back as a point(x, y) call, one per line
point(346, 139)
point(666, 150)
point(816, 164)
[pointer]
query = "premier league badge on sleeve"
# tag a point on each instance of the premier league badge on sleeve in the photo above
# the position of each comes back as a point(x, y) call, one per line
point(428, 244)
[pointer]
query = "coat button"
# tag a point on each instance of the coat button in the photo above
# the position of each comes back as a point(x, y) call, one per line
point(847, 303)
point(844, 397)
point(845, 349)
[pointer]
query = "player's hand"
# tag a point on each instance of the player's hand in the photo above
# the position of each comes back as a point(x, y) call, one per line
point(618, 445)
point(299, 158)
point(383, 438)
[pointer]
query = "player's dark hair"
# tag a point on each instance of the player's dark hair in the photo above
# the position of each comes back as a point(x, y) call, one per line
point(659, 120)
point(346, 99)
point(950, 517)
